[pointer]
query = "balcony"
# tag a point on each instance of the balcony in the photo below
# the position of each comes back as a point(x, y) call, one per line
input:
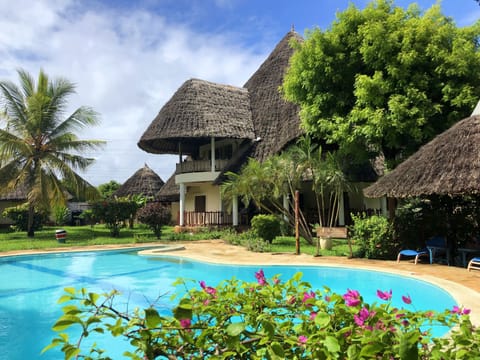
point(199, 166)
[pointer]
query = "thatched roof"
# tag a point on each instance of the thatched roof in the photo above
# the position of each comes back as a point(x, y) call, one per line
point(447, 165)
point(144, 182)
point(170, 192)
point(198, 111)
point(276, 121)
point(18, 194)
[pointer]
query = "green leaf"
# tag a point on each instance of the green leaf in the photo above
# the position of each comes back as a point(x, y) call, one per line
point(277, 351)
point(152, 318)
point(322, 319)
point(371, 350)
point(409, 346)
point(235, 329)
point(331, 343)
point(65, 322)
point(64, 298)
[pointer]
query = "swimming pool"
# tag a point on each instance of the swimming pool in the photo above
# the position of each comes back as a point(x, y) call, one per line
point(31, 285)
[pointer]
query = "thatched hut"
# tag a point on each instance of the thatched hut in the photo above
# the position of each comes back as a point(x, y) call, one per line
point(447, 165)
point(143, 182)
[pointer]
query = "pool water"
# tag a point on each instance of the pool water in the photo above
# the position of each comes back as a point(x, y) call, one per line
point(31, 285)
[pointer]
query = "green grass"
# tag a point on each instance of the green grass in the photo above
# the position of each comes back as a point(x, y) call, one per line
point(99, 235)
point(287, 244)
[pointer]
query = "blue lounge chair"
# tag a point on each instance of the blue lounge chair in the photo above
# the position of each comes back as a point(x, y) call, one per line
point(410, 253)
point(474, 264)
point(434, 246)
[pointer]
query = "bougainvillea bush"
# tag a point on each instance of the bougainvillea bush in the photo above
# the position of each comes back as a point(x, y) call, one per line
point(268, 319)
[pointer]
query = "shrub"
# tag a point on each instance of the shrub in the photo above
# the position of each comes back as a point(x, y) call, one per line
point(374, 236)
point(155, 215)
point(61, 215)
point(114, 213)
point(266, 226)
point(267, 319)
point(19, 216)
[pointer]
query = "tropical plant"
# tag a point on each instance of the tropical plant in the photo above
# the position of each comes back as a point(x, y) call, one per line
point(38, 146)
point(114, 213)
point(20, 216)
point(266, 226)
point(155, 215)
point(374, 235)
point(61, 214)
point(267, 319)
point(385, 79)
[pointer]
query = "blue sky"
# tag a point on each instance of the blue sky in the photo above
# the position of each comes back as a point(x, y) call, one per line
point(128, 57)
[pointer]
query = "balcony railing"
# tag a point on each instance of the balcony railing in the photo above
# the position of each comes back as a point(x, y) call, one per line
point(199, 166)
point(206, 218)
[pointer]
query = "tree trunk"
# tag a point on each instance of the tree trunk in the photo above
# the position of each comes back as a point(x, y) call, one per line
point(31, 214)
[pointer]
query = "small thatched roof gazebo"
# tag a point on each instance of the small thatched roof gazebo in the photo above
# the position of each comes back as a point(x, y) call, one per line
point(144, 182)
point(447, 165)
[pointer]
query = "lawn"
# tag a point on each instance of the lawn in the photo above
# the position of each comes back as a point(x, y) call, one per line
point(100, 235)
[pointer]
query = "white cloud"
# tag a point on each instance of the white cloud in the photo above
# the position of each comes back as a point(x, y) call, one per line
point(126, 66)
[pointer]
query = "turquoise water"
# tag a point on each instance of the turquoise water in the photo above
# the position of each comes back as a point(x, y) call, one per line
point(31, 285)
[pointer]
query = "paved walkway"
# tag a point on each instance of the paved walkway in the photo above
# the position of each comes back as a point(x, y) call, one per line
point(464, 286)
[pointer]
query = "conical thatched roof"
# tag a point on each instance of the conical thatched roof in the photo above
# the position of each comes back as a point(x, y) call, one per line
point(196, 112)
point(447, 165)
point(276, 121)
point(144, 182)
point(170, 192)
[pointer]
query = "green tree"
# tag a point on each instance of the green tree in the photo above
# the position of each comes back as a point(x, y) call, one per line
point(38, 146)
point(107, 189)
point(385, 79)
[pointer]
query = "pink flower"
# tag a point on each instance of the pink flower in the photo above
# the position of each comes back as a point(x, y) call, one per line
point(306, 296)
point(261, 278)
point(313, 314)
point(460, 311)
point(352, 298)
point(185, 323)
point(208, 289)
point(384, 295)
point(361, 317)
point(406, 299)
point(276, 281)
point(327, 298)
point(302, 339)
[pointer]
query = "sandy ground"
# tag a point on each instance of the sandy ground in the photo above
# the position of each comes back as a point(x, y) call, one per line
point(464, 286)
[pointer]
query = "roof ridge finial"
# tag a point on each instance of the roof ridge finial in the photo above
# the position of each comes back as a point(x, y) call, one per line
point(293, 28)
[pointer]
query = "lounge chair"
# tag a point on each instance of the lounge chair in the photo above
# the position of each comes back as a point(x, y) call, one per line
point(410, 253)
point(434, 246)
point(474, 264)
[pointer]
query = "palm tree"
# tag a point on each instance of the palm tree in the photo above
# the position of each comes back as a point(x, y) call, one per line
point(38, 146)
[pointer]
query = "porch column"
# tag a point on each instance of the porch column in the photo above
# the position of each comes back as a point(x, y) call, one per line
point(235, 211)
point(182, 204)
point(285, 206)
point(383, 206)
point(341, 210)
point(212, 150)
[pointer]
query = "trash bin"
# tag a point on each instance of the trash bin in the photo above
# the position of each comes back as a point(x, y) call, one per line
point(61, 235)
